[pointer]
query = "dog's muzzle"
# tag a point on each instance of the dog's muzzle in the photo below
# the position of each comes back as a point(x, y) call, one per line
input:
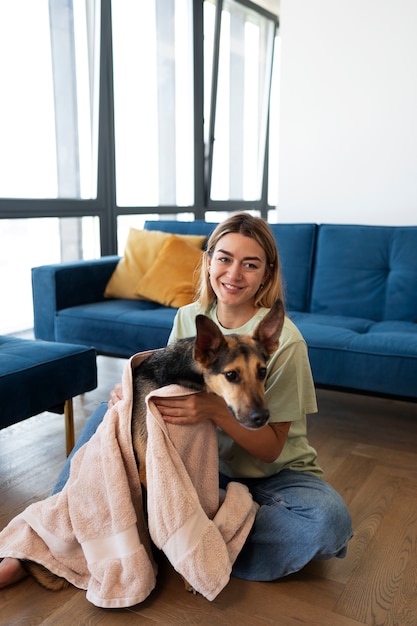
point(256, 418)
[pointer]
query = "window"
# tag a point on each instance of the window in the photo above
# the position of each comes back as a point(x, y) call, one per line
point(113, 111)
point(48, 109)
point(49, 138)
point(241, 78)
point(153, 102)
point(26, 243)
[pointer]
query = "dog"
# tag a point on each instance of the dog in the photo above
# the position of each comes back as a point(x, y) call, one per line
point(231, 366)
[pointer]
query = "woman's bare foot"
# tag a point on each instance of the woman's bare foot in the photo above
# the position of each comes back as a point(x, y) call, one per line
point(11, 571)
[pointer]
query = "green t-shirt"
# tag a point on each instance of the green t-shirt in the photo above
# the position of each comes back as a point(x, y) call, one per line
point(290, 395)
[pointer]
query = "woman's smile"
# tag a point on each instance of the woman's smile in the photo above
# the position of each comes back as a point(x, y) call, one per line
point(230, 287)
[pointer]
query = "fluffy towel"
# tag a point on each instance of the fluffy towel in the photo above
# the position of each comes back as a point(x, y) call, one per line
point(94, 532)
point(200, 530)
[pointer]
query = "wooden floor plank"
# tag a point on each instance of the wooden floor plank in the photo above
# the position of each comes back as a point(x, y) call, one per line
point(370, 599)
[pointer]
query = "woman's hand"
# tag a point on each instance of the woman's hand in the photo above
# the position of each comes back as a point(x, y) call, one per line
point(190, 409)
point(265, 443)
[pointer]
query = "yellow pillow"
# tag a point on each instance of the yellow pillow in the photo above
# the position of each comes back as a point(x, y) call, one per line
point(171, 280)
point(141, 250)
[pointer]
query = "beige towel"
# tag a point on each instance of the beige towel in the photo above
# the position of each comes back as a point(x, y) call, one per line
point(94, 532)
point(183, 498)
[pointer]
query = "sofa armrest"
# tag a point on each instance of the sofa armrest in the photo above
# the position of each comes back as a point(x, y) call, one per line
point(63, 285)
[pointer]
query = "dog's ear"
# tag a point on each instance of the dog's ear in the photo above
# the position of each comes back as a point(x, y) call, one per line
point(269, 328)
point(209, 339)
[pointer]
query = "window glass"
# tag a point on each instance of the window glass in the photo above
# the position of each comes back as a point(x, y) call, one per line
point(48, 102)
point(220, 216)
point(245, 62)
point(27, 147)
point(27, 243)
point(153, 102)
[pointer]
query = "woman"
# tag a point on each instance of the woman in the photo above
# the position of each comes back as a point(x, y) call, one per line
point(301, 517)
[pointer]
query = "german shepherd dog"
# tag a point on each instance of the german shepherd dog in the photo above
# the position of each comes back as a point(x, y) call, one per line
point(231, 366)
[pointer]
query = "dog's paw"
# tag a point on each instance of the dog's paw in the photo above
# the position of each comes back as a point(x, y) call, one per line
point(188, 587)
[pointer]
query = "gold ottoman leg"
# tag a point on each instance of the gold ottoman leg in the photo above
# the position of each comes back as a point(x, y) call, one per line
point(69, 425)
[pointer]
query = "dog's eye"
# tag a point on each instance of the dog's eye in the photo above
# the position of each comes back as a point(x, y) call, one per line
point(262, 373)
point(232, 376)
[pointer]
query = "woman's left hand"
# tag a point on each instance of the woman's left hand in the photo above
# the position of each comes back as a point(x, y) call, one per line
point(189, 409)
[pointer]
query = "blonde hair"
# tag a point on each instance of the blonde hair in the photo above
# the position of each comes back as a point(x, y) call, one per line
point(255, 228)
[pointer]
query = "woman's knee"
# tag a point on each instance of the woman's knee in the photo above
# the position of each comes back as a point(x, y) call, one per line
point(316, 517)
point(333, 526)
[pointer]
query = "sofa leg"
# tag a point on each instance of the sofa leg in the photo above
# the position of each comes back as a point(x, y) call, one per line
point(69, 425)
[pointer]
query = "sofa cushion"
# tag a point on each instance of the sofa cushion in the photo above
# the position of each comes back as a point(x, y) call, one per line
point(357, 324)
point(141, 250)
point(401, 297)
point(382, 362)
point(116, 327)
point(172, 280)
point(396, 326)
point(366, 271)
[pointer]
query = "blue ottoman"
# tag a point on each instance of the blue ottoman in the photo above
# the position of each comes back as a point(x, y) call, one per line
point(37, 376)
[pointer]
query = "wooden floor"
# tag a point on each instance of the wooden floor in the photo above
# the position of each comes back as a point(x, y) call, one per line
point(368, 449)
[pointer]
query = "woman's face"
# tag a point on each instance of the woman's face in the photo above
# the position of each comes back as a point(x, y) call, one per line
point(237, 269)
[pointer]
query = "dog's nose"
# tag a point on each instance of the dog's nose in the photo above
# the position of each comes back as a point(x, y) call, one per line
point(258, 417)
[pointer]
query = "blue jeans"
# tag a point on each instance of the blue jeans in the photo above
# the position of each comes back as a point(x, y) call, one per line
point(301, 518)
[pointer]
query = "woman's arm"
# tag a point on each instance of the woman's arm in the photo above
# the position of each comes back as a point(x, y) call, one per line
point(264, 443)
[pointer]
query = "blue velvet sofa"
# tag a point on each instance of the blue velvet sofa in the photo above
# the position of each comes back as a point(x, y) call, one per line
point(351, 290)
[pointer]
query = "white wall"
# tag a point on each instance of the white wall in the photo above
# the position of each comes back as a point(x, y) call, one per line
point(348, 111)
